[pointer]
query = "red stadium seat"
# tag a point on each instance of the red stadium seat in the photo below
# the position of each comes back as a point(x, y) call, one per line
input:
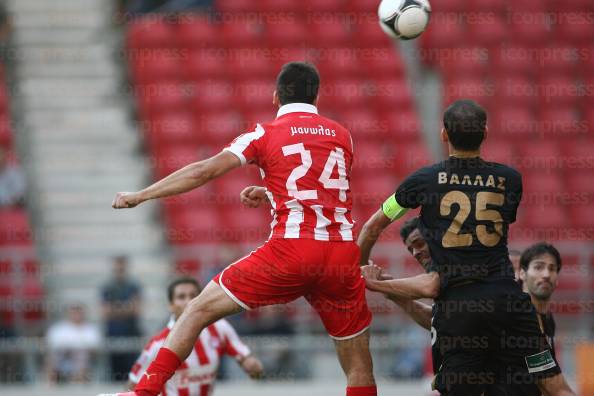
point(362, 6)
point(286, 35)
point(487, 6)
point(370, 35)
point(490, 32)
point(582, 216)
point(558, 91)
point(401, 124)
point(173, 157)
point(389, 94)
point(197, 32)
point(371, 157)
point(283, 7)
point(149, 33)
point(472, 62)
point(163, 97)
point(443, 33)
point(372, 190)
point(326, 6)
point(548, 217)
point(558, 60)
point(241, 34)
point(5, 131)
point(14, 228)
point(203, 197)
point(512, 60)
point(343, 62)
point(410, 157)
point(449, 6)
point(205, 64)
point(194, 225)
point(214, 95)
point(256, 95)
point(561, 122)
point(468, 87)
point(173, 128)
point(155, 66)
point(545, 152)
point(513, 123)
point(235, 6)
point(530, 28)
point(576, 30)
point(220, 126)
point(578, 154)
point(345, 94)
point(497, 151)
point(586, 61)
point(385, 63)
point(517, 91)
point(253, 224)
point(252, 66)
point(188, 267)
point(335, 33)
point(363, 124)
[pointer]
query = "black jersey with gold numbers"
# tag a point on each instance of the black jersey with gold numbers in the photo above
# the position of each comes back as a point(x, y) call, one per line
point(467, 205)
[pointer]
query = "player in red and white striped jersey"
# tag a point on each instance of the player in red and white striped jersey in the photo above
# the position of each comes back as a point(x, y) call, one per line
point(305, 160)
point(197, 374)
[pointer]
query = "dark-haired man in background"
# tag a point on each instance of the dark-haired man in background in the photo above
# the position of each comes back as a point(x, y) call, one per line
point(305, 160)
point(198, 373)
point(467, 205)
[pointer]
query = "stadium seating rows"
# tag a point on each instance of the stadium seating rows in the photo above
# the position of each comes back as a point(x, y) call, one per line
point(530, 64)
point(21, 290)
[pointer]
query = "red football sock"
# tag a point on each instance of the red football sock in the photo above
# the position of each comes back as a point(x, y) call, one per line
point(158, 373)
point(361, 390)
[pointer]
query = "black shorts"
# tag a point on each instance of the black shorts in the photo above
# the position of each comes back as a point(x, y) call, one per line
point(488, 337)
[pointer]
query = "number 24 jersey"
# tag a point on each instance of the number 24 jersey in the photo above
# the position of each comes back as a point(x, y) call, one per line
point(305, 161)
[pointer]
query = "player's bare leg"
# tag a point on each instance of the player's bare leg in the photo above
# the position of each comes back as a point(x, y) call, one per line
point(555, 386)
point(211, 305)
point(355, 359)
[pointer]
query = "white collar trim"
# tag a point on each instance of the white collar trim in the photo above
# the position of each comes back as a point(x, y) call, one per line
point(296, 108)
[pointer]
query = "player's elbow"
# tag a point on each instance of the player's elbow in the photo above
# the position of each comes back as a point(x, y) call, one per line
point(202, 173)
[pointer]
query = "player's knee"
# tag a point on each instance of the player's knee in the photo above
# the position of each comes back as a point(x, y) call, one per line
point(199, 310)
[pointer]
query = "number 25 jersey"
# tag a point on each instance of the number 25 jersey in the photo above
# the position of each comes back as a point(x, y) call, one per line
point(467, 205)
point(305, 161)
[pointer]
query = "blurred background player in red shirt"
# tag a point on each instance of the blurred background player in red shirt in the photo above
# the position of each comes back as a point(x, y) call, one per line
point(196, 376)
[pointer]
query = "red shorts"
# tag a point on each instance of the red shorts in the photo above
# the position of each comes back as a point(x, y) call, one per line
point(327, 274)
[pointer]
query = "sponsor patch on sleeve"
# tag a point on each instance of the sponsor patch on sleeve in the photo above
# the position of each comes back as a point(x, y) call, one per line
point(540, 362)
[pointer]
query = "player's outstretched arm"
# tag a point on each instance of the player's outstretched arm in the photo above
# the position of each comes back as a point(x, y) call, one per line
point(181, 181)
point(420, 286)
point(370, 233)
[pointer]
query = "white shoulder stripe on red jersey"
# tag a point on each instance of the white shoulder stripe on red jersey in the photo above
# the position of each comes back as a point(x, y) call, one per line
point(243, 141)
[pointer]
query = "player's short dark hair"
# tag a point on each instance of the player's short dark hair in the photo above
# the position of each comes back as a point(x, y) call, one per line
point(538, 249)
point(465, 122)
point(298, 82)
point(181, 281)
point(408, 227)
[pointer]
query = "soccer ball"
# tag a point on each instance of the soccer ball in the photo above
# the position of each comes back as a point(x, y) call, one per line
point(404, 19)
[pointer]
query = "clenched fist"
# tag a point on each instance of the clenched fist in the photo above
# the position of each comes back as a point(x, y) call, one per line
point(125, 200)
point(253, 196)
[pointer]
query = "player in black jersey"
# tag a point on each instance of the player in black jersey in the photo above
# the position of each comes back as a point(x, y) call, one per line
point(539, 267)
point(488, 328)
